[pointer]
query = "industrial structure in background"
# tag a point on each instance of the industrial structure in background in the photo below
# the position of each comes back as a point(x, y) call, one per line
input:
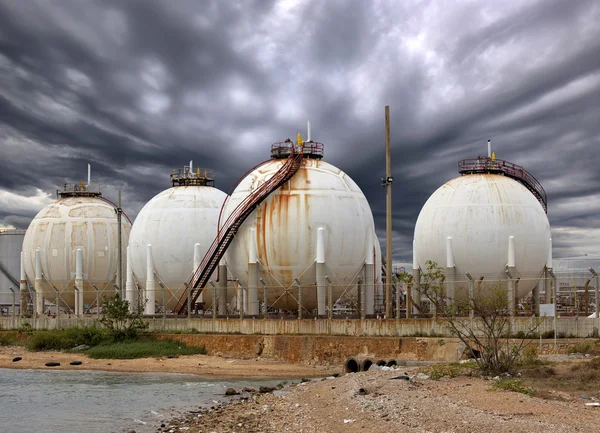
point(169, 238)
point(71, 250)
point(487, 227)
point(11, 242)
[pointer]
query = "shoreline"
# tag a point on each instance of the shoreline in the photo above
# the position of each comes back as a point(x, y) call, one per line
point(208, 366)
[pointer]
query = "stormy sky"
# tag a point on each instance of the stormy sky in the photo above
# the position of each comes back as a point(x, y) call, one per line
point(137, 88)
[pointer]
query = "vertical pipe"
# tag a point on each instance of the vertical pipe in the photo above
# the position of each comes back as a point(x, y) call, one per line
point(308, 138)
point(79, 281)
point(129, 285)
point(299, 299)
point(150, 307)
point(214, 300)
point(370, 276)
point(252, 301)
point(197, 260)
point(321, 283)
point(240, 300)
point(265, 305)
point(23, 287)
point(222, 287)
point(89, 175)
point(388, 208)
point(536, 299)
point(511, 279)
point(489, 148)
point(361, 287)
point(450, 271)
point(39, 284)
point(416, 280)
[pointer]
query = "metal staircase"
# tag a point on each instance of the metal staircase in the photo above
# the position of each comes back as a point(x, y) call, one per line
point(229, 229)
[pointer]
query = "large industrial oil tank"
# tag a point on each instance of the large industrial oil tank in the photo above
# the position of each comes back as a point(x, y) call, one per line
point(80, 218)
point(472, 219)
point(173, 223)
point(11, 242)
point(284, 231)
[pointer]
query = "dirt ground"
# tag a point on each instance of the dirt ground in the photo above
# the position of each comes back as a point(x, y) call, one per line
point(376, 401)
point(202, 365)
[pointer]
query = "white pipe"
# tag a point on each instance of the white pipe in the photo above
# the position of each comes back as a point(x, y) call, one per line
point(79, 281)
point(449, 253)
point(39, 289)
point(511, 252)
point(252, 248)
point(549, 261)
point(129, 286)
point(191, 166)
point(308, 128)
point(23, 277)
point(38, 264)
point(89, 174)
point(489, 148)
point(320, 245)
point(150, 287)
point(415, 263)
point(197, 256)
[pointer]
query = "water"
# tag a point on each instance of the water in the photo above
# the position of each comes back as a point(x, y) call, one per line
point(62, 401)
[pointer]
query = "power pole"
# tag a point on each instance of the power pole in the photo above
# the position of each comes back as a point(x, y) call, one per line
point(388, 222)
point(120, 246)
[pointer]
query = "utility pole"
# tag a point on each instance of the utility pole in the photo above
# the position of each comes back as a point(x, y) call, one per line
point(120, 246)
point(388, 211)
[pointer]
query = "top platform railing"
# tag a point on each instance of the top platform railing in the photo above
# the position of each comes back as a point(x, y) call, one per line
point(514, 171)
point(80, 189)
point(196, 176)
point(311, 149)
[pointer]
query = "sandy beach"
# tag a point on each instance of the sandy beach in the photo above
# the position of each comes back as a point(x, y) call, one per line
point(202, 365)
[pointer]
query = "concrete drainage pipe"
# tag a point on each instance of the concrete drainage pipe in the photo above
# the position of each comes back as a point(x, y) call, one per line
point(392, 363)
point(381, 363)
point(354, 364)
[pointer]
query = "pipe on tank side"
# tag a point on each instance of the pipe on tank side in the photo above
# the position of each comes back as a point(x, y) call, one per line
point(150, 307)
point(369, 285)
point(197, 261)
point(252, 298)
point(416, 293)
point(222, 288)
point(23, 287)
point(79, 281)
point(511, 274)
point(450, 270)
point(39, 284)
point(129, 285)
point(321, 271)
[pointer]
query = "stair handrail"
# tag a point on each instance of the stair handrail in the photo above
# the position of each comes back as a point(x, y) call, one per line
point(246, 206)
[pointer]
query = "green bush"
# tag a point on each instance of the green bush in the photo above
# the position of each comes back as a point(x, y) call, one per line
point(66, 339)
point(6, 340)
point(514, 385)
point(143, 349)
point(580, 348)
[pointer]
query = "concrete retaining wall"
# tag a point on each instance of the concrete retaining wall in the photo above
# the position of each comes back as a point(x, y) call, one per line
point(571, 327)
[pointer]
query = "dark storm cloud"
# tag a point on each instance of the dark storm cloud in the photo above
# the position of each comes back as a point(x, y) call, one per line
point(140, 87)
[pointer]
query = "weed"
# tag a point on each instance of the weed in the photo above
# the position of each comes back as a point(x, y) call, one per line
point(438, 371)
point(143, 349)
point(66, 339)
point(514, 385)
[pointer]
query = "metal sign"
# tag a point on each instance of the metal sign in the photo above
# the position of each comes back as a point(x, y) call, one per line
point(547, 310)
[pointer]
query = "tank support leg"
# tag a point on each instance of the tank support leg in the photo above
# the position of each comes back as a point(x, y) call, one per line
point(39, 284)
point(222, 287)
point(321, 283)
point(150, 307)
point(252, 303)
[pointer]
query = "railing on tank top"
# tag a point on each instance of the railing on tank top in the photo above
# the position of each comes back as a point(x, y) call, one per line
point(514, 171)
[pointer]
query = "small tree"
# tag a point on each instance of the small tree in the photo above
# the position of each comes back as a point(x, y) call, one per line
point(488, 334)
point(121, 323)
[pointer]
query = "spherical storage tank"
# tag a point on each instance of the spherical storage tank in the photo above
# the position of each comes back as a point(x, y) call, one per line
point(284, 231)
point(480, 211)
point(173, 223)
point(11, 242)
point(80, 218)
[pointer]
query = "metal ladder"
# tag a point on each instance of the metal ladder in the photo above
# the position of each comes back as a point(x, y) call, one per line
point(227, 233)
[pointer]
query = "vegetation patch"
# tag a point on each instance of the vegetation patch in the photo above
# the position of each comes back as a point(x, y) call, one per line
point(143, 349)
point(514, 385)
point(66, 339)
point(7, 340)
point(448, 371)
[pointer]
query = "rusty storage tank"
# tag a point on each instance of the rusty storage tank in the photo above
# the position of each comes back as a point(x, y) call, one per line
point(179, 223)
point(81, 219)
point(320, 217)
point(490, 223)
point(11, 243)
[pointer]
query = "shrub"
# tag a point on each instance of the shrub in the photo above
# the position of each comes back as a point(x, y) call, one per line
point(6, 340)
point(66, 339)
point(580, 348)
point(143, 349)
point(121, 323)
point(514, 385)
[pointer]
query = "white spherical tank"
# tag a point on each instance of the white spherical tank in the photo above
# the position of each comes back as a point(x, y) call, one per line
point(11, 243)
point(173, 222)
point(73, 222)
point(284, 229)
point(480, 212)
